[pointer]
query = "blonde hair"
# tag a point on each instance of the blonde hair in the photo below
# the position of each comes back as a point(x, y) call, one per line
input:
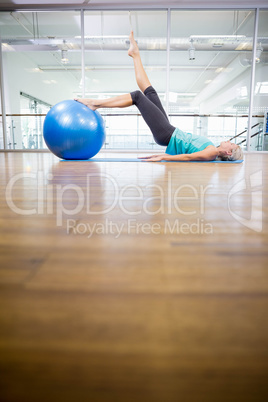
point(237, 154)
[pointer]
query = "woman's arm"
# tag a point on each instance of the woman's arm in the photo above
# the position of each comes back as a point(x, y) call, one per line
point(208, 154)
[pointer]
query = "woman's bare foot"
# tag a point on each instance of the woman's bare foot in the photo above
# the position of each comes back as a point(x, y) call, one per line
point(133, 48)
point(87, 102)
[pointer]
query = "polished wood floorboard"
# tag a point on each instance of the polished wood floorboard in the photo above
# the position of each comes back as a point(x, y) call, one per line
point(172, 308)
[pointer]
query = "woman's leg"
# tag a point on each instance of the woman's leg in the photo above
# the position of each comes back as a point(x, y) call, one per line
point(151, 94)
point(118, 101)
point(140, 74)
point(148, 103)
point(159, 125)
point(141, 77)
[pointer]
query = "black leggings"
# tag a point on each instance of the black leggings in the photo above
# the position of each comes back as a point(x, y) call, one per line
point(154, 115)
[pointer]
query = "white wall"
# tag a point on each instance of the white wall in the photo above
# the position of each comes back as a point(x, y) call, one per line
point(20, 76)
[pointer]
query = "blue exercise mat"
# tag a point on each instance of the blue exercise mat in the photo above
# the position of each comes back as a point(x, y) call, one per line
point(139, 160)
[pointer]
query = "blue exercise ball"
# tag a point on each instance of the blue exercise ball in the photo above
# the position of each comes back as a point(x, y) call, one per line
point(73, 131)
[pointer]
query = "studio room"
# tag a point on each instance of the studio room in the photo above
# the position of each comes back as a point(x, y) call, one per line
point(133, 188)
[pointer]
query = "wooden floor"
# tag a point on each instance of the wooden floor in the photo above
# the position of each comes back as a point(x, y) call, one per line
point(172, 308)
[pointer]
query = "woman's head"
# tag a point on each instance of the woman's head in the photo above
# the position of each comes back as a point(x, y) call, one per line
point(229, 151)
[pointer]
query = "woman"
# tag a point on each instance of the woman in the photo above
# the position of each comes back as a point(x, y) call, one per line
point(180, 146)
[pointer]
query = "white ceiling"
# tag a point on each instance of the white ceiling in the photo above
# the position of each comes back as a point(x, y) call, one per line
point(19, 4)
point(38, 43)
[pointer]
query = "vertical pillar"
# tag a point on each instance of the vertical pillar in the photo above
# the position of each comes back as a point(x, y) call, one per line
point(4, 124)
point(83, 52)
point(168, 59)
point(252, 78)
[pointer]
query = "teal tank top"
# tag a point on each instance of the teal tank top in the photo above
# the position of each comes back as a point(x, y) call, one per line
point(186, 143)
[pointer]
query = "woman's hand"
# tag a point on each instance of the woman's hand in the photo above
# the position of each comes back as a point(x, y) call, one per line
point(154, 158)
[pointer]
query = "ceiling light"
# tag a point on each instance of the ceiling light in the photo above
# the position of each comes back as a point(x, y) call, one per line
point(244, 46)
point(258, 53)
point(64, 57)
point(103, 37)
point(223, 70)
point(6, 46)
point(264, 88)
point(217, 36)
point(191, 51)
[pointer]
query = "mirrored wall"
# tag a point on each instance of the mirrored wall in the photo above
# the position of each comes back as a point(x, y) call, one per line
point(42, 66)
point(259, 139)
point(199, 61)
point(109, 70)
point(1, 129)
point(208, 82)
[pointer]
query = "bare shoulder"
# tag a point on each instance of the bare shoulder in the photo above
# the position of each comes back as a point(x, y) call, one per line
point(211, 149)
point(210, 152)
